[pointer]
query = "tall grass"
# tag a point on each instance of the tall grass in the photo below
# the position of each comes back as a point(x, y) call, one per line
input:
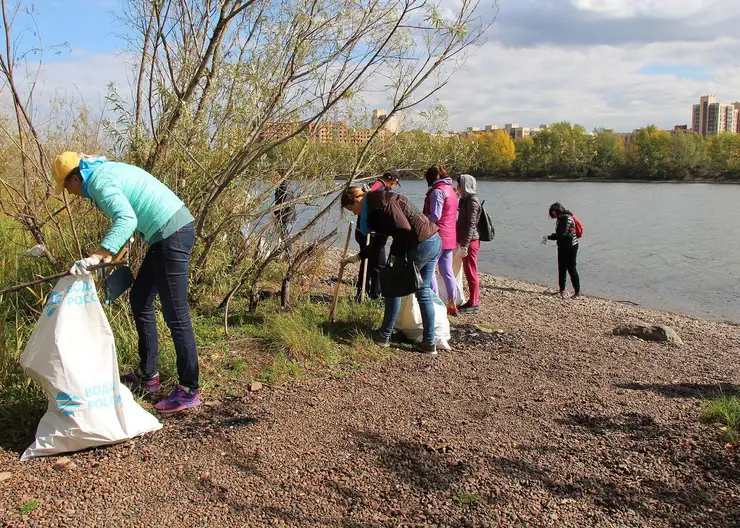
point(307, 343)
point(21, 401)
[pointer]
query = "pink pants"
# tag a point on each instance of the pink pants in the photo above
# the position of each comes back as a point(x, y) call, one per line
point(470, 267)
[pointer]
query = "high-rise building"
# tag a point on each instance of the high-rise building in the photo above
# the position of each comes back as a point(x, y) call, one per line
point(380, 119)
point(711, 117)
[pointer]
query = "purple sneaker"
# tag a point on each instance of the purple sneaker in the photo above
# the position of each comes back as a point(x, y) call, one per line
point(135, 381)
point(178, 400)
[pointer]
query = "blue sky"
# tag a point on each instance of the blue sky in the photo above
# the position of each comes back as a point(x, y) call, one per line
point(618, 64)
point(88, 25)
point(679, 71)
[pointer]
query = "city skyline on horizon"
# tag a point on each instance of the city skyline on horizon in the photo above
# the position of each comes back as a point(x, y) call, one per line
point(695, 123)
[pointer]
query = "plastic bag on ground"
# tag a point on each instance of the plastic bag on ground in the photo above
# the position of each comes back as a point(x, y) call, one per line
point(457, 269)
point(409, 321)
point(72, 356)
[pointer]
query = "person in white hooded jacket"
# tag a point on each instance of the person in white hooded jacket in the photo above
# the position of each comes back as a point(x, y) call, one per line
point(468, 238)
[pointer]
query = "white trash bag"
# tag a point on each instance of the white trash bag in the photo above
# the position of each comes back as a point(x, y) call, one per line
point(409, 321)
point(457, 269)
point(72, 356)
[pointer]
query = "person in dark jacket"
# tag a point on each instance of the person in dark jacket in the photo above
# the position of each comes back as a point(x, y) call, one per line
point(286, 216)
point(414, 238)
point(468, 239)
point(376, 260)
point(565, 234)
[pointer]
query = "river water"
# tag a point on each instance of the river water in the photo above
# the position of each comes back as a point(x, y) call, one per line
point(666, 246)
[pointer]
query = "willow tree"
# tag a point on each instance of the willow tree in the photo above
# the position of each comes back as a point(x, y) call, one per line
point(219, 85)
point(25, 181)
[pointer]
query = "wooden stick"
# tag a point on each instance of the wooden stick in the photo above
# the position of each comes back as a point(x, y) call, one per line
point(364, 271)
point(335, 300)
point(118, 260)
point(58, 276)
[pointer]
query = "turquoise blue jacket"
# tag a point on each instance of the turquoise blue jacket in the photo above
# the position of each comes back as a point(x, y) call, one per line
point(135, 201)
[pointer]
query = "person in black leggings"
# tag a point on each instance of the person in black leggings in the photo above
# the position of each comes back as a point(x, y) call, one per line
point(565, 234)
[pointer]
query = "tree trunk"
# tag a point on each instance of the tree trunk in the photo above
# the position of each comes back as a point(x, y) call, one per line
point(285, 293)
point(254, 297)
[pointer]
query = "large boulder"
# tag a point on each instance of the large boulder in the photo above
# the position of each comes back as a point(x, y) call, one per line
point(664, 334)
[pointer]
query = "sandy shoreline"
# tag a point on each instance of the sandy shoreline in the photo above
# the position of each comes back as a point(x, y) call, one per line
point(492, 282)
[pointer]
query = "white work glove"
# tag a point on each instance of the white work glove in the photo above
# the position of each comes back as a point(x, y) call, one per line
point(352, 259)
point(544, 240)
point(464, 251)
point(81, 267)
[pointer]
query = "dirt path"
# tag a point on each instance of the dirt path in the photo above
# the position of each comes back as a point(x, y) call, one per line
point(557, 424)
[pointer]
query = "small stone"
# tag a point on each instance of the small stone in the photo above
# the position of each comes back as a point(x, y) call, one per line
point(64, 464)
point(255, 386)
point(5, 475)
point(214, 403)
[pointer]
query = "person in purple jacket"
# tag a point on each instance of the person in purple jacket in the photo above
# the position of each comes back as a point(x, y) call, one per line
point(440, 207)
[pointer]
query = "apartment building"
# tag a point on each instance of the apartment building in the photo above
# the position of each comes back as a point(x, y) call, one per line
point(518, 132)
point(514, 130)
point(330, 131)
point(380, 119)
point(710, 117)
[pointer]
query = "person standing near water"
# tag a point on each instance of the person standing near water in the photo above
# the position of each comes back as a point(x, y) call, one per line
point(286, 216)
point(565, 234)
point(440, 206)
point(468, 239)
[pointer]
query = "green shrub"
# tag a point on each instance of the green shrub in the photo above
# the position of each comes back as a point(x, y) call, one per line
point(726, 411)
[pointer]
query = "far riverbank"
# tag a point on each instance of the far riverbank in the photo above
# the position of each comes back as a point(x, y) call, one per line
point(587, 180)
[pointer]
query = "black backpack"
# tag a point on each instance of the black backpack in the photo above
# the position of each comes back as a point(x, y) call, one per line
point(486, 232)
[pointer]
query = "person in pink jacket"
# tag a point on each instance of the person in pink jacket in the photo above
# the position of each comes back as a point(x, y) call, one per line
point(440, 207)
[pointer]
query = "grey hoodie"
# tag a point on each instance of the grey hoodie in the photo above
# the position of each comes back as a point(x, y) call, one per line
point(469, 211)
point(467, 184)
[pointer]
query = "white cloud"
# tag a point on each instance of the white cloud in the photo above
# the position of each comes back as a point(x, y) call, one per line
point(615, 63)
point(629, 8)
point(83, 76)
point(595, 85)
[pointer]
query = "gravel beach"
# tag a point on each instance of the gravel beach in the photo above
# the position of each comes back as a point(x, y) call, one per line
point(554, 422)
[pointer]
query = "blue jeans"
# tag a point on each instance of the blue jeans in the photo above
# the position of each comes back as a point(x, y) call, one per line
point(165, 272)
point(425, 255)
